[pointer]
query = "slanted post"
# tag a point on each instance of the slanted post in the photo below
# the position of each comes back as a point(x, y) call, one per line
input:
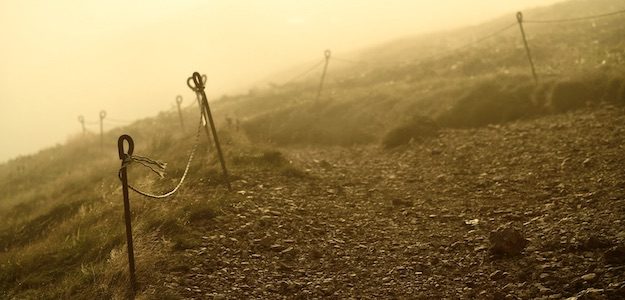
point(123, 175)
point(519, 17)
point(198, 87)
point(81, 119)
point(327, 55)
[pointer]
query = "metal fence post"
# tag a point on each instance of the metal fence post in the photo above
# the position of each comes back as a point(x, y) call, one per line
point(124, 178)
point(81, 119)
point(102, 116)
point(178, 103)
point(198, 86)
point(327, 55)
point(519, 17)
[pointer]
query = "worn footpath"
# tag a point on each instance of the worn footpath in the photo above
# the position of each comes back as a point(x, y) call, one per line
point(414, 223)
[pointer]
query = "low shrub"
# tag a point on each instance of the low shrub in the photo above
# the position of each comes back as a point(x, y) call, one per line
point(603, 85)
point(570, 94)
point(418, 129)
point(493, 101)
point(316, 123)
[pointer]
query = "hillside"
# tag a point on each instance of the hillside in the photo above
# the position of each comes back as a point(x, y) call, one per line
point(387, 86)
point(389, 186)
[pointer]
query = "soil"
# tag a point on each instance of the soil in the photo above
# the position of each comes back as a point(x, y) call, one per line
point(415, 223)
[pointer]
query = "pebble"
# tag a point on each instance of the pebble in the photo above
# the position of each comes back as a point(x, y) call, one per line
point(589, 276)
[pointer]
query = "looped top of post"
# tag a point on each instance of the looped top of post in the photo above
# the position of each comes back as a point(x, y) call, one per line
point(120, 146)
point(519, 17)
point(327, 53)
point(81, 119)
point(102, 114)
point(198, 80)
point(179, 99)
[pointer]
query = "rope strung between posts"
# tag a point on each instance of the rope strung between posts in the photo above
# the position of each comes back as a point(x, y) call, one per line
point(305, 72)
point(348, 60)
point(156, 166)
point(486, 37)
point(576, 19)
point(477, 41)
point(159, 168)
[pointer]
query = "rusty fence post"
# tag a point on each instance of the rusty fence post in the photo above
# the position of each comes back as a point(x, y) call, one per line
point(327, 55)
point(124, 178)
point(198, 98)
point(81, 119)
point(178, 103)
point(519, 18)
point(196, 83)
point(102, 116)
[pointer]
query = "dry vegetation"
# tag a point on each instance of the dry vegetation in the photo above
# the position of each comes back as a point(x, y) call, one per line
point(469, 143)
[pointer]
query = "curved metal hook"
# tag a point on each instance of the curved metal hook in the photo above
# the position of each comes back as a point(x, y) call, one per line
point(519, 17)
point(199, 81)
point(179, 99)
point(81, 119)
point(327, 53)
point(120, 146)
point(189, 84)
point(102, 114)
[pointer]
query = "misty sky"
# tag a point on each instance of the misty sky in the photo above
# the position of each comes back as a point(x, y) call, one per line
point(64, 58)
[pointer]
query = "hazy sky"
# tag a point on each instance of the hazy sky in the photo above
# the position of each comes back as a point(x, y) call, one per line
point(64, 58)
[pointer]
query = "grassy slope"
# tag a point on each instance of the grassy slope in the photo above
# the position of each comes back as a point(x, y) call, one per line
point(397, 81)
point(61, 232)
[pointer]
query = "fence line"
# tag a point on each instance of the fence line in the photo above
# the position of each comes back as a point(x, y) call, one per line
point(151, 164)
point(468, 44)
point(349, 61)
point(578, 18)
point(197, 83)
point(306, 72)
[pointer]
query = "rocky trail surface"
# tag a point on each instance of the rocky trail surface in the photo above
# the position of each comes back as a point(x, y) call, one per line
point(415, 223)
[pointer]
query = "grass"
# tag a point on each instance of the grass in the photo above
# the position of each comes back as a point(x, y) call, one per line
point(62, 232)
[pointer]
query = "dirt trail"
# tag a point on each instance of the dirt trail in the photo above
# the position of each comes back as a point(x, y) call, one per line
point(415, 223)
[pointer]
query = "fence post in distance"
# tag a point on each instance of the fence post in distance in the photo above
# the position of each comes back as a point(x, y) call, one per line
point(519, 17)
point(81, 119)
point(102, 116)
point(178, 103)
point(327, 55)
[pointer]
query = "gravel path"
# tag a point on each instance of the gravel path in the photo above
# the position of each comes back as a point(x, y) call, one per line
point(415, 223)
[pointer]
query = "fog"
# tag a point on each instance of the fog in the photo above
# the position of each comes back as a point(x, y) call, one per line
point(61, 59)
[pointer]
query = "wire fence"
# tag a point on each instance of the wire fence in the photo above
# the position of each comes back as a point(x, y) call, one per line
point(493, 34)
point(586, 18)
point(159, 168)
point(434, 56)
point(196, 83)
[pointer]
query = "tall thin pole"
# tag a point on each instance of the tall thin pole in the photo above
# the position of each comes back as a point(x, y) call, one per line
point(178, 102)
point(519, 17)
point(127, 218)
point(327, 55)
point(198, 98)
point(81, 119)
point(198, 81)
point(205, 123)
point(102, 116)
